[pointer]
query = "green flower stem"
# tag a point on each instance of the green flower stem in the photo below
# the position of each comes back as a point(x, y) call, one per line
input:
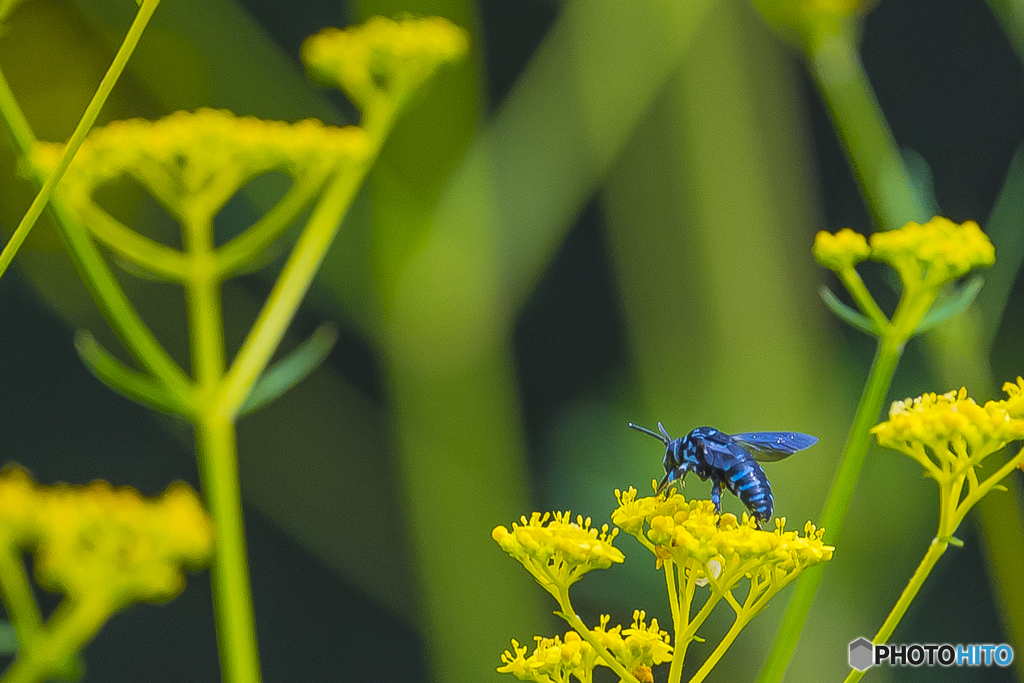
point(684, 638)
point(951, 513)
point(302, 265)
point(677, 599)
point(979, 491)
point(291, 287)
point(573, 619)
point(218, 459)
point(71, 626)
point(935, 551)
point(218, 468)
point(859, 291)
point(93, 269)
point(19, 601)
point(857, 116)
point(24, 134)
point(754, 603)
point(882, 369)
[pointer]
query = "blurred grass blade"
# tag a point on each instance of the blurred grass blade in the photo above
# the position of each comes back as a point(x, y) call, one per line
point(1004, 228)
point(132, 384)
point(955, 304)
point(848, 315)
point(921, 179)
point(292, 369)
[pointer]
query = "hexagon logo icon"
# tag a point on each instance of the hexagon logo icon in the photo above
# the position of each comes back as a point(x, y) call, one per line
point(862, 652)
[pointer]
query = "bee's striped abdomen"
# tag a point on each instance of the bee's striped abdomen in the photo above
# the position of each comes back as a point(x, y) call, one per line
point(746, 479)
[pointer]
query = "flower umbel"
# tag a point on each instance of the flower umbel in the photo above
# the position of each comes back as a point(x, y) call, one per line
point(696, 547)
point(102, 547)
point(558, 550)
point(193, 163)
point(950, 435)
point(935, 253)
point(927, 257)
point(554, 660)
point(383, 59)
point(840, 251)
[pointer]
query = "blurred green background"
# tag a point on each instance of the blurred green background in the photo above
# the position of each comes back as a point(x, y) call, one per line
point(604, 216)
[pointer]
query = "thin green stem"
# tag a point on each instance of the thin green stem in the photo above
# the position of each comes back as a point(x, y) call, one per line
point(236, 629)
point(573, 620)
point(19, 601)
point(838, 502)
point(742, 619)
point(290, 288)
point(683, 640)
point(70, 627)
point(218, 459)
point(675, 604)
point(859, 291)
point(979, 491)
point(302, 264)
point(92, 111)
point(857, 116)
point(93, 269)
point(935, 551)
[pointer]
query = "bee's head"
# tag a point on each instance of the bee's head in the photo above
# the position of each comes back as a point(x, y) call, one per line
point(676, 466)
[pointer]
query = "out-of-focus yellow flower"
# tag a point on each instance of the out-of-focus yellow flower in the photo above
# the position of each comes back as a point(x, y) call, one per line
point(18, 524)
point(927, 257)
point(840, 251)
point(383, 58)
point(934, 253)
point(98, 538)
point(194, 162)
point(97, 541)
point(558, 550)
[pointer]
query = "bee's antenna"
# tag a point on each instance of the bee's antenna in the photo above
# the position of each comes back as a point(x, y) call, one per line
point(661, 428)
point(664, 439)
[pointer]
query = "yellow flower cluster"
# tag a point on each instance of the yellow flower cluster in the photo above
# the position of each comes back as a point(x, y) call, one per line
point(1014, 402)
point(718, 550)
point(558, 550)
point(932, 254)
point(639, 645)
point(957, 432)
point(840, 251)
point(195, 162)
point(383, 58)
point(98, 540)
point(554, 660)
point(937, 252)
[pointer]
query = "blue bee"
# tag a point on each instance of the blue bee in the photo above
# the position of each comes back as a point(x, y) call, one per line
point(730, 460)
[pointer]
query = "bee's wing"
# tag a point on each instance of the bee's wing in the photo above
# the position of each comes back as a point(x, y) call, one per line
point(772, 446)
point(721, 451)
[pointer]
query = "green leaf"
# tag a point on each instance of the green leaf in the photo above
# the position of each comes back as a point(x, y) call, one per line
point(293, 368)
point(132, 384)
point(8, 638)
point(851, 317)
point(921, 180)
point(955, 304)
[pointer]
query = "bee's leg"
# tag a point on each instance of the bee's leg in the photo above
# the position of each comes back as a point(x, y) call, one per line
point(716, 495)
